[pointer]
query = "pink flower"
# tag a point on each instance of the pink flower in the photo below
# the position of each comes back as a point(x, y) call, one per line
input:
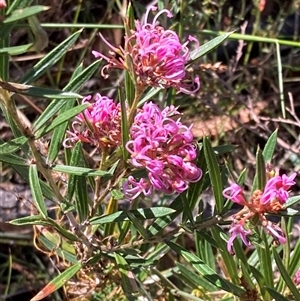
point(277, 189)
point(133, 188)
point(296, 278)
point(157, 55)
point(2, 4)
point(270, 200)
point(276, 232)
point(164, 148)
point(237, 230)
point(235, 193)
point(99, 124)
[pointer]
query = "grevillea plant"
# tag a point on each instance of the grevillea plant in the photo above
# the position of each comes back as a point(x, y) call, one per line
point(125, 176)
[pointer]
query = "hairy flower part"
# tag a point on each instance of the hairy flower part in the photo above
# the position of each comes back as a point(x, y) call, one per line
point(296, 278)
point(270, 200)
point(157, 55)
point(98, 125)
point(164, 148)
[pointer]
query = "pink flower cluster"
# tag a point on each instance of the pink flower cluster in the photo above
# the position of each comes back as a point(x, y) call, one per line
point(271, 200)
point(99, 125)
point(162, 146)
point(158, 57)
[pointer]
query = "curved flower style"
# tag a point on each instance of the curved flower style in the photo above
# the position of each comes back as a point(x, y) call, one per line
point(157, 55)
point(98, 125)
point(270, 200)
point(164, 148)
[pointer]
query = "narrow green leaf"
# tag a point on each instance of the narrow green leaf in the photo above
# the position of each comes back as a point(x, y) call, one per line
point(228, 259)
point(270, 146)
point(37, 191)
point(81, 198)
point(129, 284)
point(39, 91)
point(24, 13)
point(61, 119)
point(195, 189)
point(294, 261)
point(18, 4)
point(65, 255)
point(73, 85)
point(196, 279)
point(12, 145)
point(125, 128)
point(74, 161)
point(205, 270)
point(286, 277)
point(274, 294)
point(208, 47)
point(57, 282)
point(140, 214)
point(13, 160)
point(160, 223)
point(59, 132)
point(50, 59)
point(137, 225)
point(30, 220)
point(265, 260)
point(260, 175)
point(292, 201)
point(16, 50)
point(80, 171)
point(214, 174)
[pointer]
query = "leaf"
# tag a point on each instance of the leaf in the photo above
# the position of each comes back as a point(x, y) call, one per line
point(16, 50)
point(37, 191)
point(195, 278)
point(61, 119)
point(208, 273)
point(18, 4)
point(61, 252)
point(137, 225)
point(59, 132)
point(208, 47)
point(80, 171)
point(57, 282)
point(12, 145)
point(13, 160)
point(274, 294)
point(270, 146)
point(260, 174)
point(74, 85)
point(24, 13)
point(129, 284)
point(292, 201)
point(81, 198)
point(214, 174)
point(50, 59)
point(37, 91)
point(30, 220)
point(140, 214)
point(286, 277)
point(72, 178)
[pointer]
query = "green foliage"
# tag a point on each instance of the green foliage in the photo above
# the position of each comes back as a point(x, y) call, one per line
point(153, 245)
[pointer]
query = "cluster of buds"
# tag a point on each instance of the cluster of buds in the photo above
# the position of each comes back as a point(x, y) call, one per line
point(157, 56)
point(99, 125)
point(270, 200)
point(162, 146)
